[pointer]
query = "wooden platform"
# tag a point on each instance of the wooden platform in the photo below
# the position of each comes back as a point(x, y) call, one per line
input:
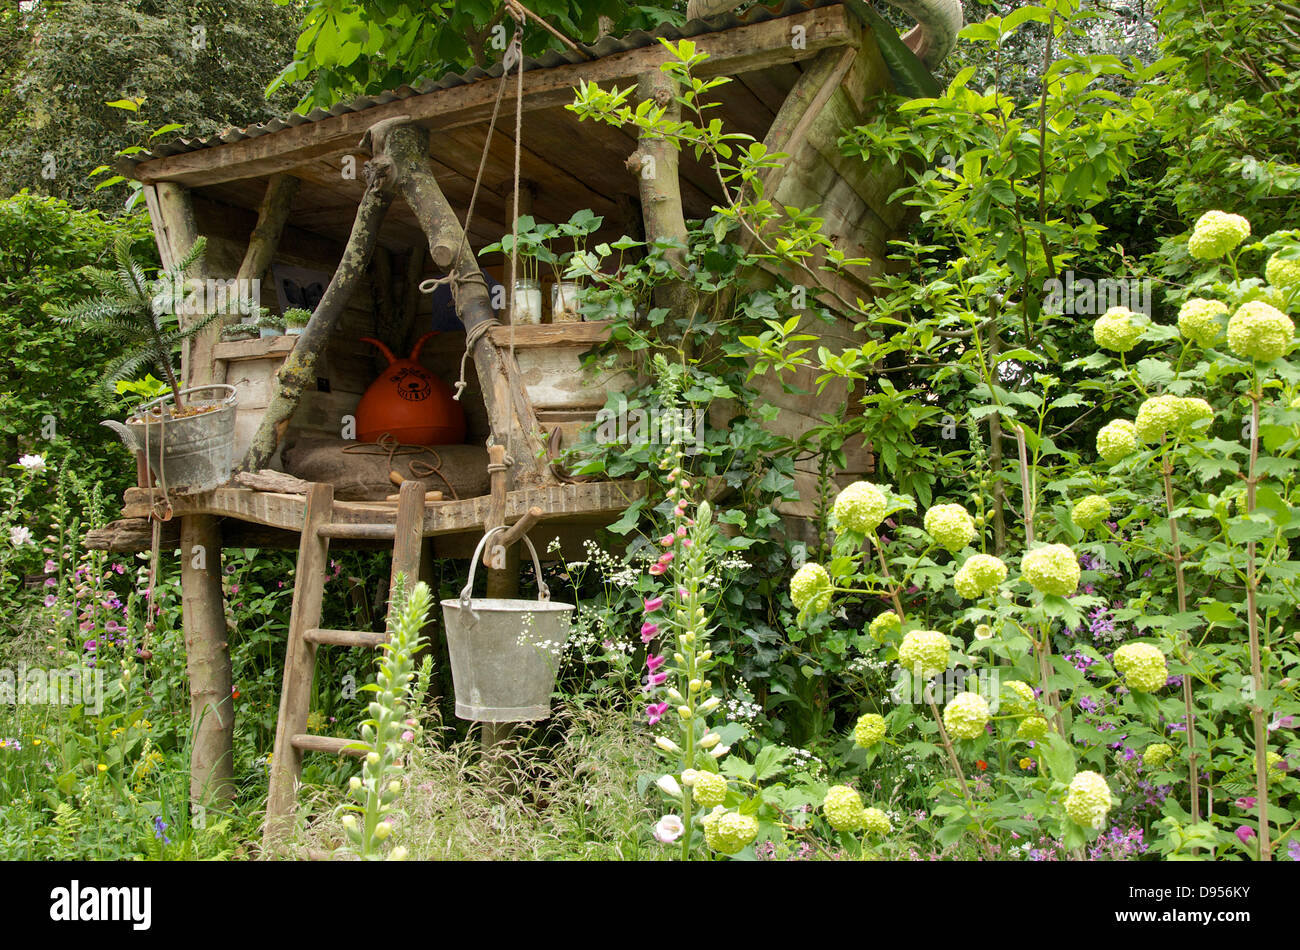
point(593, 501)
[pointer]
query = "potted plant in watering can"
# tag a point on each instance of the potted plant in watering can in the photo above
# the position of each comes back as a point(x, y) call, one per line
point(188, 435)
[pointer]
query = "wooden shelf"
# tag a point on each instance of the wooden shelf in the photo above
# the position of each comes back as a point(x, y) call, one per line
point(261, 348)
point(551, 334)
point(560, 502)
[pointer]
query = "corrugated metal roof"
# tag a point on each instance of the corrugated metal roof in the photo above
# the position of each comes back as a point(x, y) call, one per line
point(605, 46)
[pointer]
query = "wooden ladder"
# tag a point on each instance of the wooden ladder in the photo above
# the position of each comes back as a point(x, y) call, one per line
point(306, 634)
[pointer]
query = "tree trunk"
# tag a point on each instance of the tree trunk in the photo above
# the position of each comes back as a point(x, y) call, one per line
point(299, 369)
point(656, 166)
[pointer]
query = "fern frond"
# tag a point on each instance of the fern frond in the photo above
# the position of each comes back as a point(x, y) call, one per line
point(95, 308)
point(182, 266)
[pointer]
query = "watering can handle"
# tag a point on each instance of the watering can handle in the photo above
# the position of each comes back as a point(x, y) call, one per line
point(543, 592)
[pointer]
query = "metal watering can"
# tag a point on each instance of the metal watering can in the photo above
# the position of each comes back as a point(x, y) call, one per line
point(505, 653)
point(189, 454)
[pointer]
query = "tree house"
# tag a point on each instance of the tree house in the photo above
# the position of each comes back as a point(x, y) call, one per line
point(370, 197)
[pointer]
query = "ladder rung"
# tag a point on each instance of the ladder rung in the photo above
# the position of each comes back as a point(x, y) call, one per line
point(358, 532)
point(310, 743)
point(345, 638)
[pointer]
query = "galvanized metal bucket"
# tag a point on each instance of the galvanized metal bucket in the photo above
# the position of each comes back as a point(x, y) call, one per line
point(505, 653)
point(190, 454)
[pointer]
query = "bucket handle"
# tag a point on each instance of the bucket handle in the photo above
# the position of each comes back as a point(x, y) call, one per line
point(466, 595)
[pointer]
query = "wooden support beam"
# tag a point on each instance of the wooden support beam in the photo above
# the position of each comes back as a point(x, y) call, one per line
point(739, 50)
point(272, 215)
point(408, 539)
point(590, 501)
point(406, 147)
point(203, 611)
point(207, 660)
point(299, 369)
point(175, 231)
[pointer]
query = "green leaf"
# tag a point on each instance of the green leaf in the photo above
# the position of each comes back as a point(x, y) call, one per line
point(769, 761)
point(630, 518)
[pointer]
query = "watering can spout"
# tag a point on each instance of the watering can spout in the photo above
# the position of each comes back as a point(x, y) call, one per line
point(125, 434)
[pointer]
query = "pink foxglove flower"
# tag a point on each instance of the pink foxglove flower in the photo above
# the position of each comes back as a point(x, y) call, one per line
point(648, 631)
point(656, 569)
point(1244, 833)
point(655, 711)
point(653, 604)
point(654, 662)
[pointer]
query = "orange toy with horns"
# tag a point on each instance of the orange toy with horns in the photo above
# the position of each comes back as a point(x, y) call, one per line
point(409, 403)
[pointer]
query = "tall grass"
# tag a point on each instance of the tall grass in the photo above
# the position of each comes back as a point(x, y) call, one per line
point(567, 790)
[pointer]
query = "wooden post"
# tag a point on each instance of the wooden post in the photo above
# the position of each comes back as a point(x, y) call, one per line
point(175, 232)
point(203, 606)
point(655, 165)
point(299, 369)
point(408, 538)
point(207, 660)
point(272, 215)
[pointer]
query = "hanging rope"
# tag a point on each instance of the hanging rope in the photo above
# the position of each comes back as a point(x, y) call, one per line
point(513, 57)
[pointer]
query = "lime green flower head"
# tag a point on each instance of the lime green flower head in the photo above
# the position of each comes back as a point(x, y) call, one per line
point(1032, 728)
point(1192, 409)
point(1091, 512)
point(1143, 666)
point(1282, 274)
point(876, 821)
point(710, 789)
point(1197, 320)
point(1260, 331)
point(810, 588)
point(1051, 569)
point(1087, 801)
point(979, 575)
point(1017, 698)
point(1215, 234)
point(860, 507)
point(843, 808)
point(869, 730)
point(966, 716)
point(1157, 416)
point(883, 624)
point(924, 650)
point(950, 526)
point(1116, 440)
point(1276, 768)
point(1117, 330)
point(728, 832)
point(1157, 754)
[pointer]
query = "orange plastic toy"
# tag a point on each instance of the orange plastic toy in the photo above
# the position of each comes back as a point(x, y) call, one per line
point(409, 403)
